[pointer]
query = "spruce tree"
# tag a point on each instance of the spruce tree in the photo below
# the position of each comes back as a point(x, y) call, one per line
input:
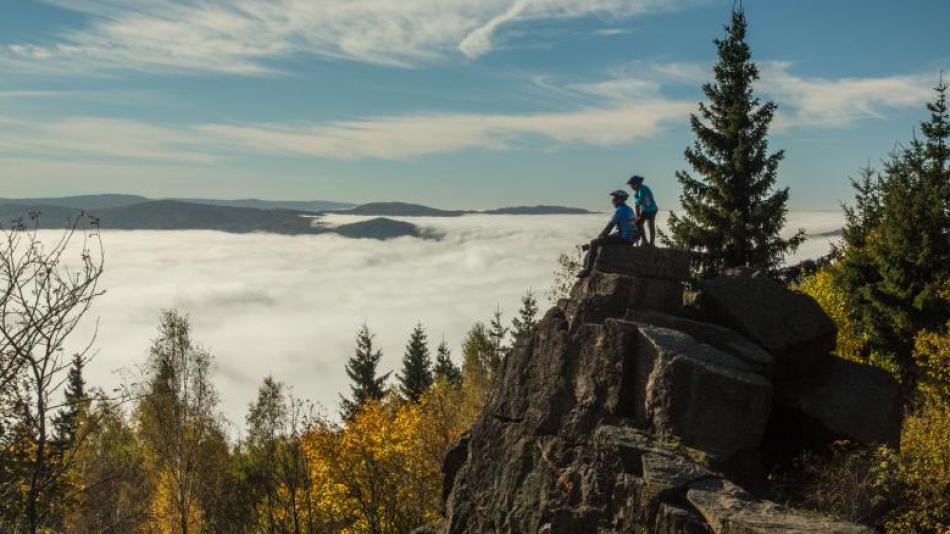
point(910, 250)
point(416, 376)
point(76, 401)
point(855, 269)
point(527, 321)
point(733, 213)
point(445, 368)
point(361, 368)
point(862, 217)
point(66, 438)
point(497, 333)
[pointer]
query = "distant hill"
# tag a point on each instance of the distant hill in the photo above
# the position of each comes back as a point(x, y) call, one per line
point(178, 215)
point(93, 202)
point(537, 210)
point(401, 209)
point(312, 206)
point(82, 202)
point(380, 228)
point(50, 216)
point(377, 209)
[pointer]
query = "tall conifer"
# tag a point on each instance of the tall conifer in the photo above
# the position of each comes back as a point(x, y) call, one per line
point(733, 213)
point(416, 376)
point(910, 250)
point(445, 368)
point(497, 335)
point(361, 368)
point(66, 422)
point(527, 319)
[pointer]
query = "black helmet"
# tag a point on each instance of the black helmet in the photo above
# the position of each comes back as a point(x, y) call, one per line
point(635, 179)
point(621, 194)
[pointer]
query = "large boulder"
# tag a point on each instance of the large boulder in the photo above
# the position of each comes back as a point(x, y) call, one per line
point(838, 399)
point(788, 324)
point(704, 397)
point(645, 262)
point(625, 278)
point(602, 295)
point(717, 336)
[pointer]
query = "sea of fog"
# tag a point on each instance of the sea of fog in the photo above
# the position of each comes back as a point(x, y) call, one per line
point(289, 306)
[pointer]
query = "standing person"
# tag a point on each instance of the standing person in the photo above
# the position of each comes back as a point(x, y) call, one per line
point(625, 234)
point(645, 206)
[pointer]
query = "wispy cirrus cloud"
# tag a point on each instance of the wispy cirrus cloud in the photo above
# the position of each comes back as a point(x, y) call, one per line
point(247, 37)
point(31, 94)
point(804, 101)
point(626, 108)
point(811, 102)
point(407, 136)
point(384, 137)
point(102, 138)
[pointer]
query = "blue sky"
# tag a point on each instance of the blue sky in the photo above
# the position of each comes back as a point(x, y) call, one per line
point(458, 103)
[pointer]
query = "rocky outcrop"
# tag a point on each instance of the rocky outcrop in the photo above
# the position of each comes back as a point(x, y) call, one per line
point(621, 414)
point(789, 325)
point(757, 358)
point(702, 396)
point(627, 278)
point(840, 400)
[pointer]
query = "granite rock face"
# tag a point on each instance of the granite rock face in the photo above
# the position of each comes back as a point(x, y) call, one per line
point(620, 414)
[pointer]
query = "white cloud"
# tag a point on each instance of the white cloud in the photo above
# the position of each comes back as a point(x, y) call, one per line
point(833, 103)
point(621, 89)
point(804, 102)
point(291, 305)
point(610, 32)
point(409, 136)
point(102, 138)
point(625, 119)
point(246, 37)
point(31, 94)
point(626, 108)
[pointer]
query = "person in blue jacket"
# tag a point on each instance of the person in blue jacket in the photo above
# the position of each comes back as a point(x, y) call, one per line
point(646, 208)
point(620, 230)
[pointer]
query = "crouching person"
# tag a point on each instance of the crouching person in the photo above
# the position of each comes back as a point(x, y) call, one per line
point(620, 230)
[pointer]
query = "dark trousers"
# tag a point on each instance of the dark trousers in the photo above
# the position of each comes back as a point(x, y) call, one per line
point(595, 245)
point(648, 220)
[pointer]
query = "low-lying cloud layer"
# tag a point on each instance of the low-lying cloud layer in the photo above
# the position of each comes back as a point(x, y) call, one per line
point(290, 306)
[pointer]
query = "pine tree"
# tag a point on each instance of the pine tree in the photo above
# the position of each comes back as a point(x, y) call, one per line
point(527, 321)
point(445, 368)
point(497, 333)
point(910, 250)
point(733, 214)
point(361, 368)
point(416, 376)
